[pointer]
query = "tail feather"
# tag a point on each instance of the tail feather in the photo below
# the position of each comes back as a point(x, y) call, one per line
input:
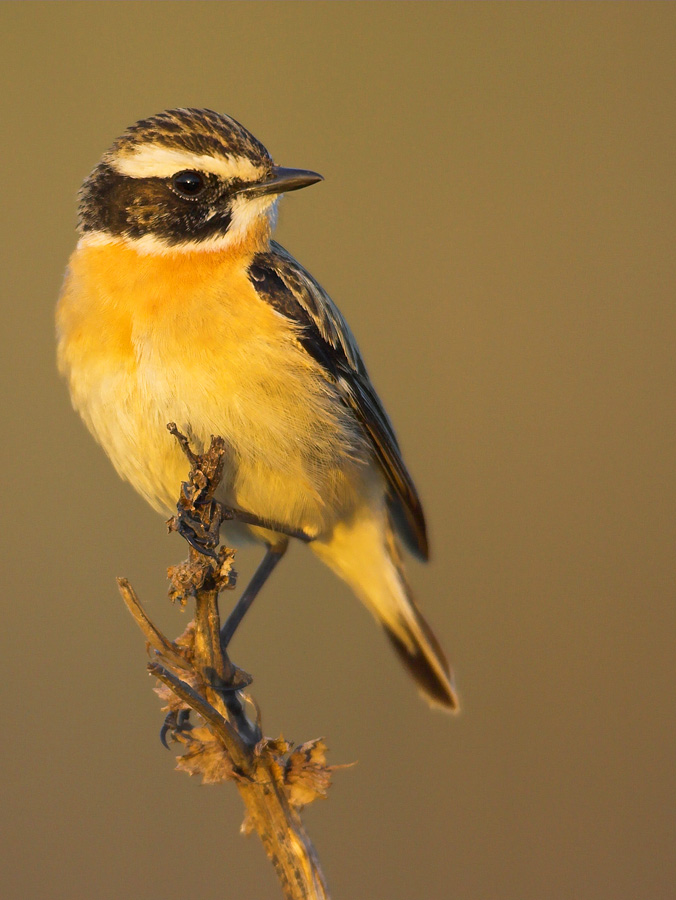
point(366, 555)
point(425, 660)
point(419, 650)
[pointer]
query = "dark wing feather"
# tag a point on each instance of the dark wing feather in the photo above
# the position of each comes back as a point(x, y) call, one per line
point(325, 335)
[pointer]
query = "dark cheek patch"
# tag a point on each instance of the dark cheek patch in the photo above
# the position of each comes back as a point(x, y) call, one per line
point(134, 207)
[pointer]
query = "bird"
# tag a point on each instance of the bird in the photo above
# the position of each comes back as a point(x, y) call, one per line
point(177, 306)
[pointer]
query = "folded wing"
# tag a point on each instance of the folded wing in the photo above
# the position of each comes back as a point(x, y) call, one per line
point(325, 335)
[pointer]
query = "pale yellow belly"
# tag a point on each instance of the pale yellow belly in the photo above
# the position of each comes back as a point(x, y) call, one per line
point(226, 366)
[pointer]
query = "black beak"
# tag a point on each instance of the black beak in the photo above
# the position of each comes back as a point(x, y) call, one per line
point(282, 181)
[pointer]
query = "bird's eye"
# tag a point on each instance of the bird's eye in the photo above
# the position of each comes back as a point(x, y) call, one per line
point(188, 183)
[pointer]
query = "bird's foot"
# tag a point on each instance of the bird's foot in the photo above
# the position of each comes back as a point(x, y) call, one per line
point(175, 722)
point(235, 679)
point(190, 524)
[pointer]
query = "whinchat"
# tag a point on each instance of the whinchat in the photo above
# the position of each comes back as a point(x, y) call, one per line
point(178, 307)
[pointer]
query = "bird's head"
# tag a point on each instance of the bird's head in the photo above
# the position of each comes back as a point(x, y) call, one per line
point(185, 179)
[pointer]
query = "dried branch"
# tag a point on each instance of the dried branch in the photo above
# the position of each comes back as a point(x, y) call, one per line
point(196, 677)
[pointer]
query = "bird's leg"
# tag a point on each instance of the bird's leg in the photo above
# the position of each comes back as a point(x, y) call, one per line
point(272, 556)
point(230, 514)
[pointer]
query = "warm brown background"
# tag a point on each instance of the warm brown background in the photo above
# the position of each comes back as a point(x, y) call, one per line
point(497, 223)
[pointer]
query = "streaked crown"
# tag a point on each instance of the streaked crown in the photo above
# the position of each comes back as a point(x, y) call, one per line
point(184, 178)
point(201, 132)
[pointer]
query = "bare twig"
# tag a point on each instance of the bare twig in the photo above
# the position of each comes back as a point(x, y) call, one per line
point(154, 637)
point(196, 675)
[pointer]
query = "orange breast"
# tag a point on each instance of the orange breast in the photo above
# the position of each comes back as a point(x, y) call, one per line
point(148, 339)
point(145, 340)
point(113, 296)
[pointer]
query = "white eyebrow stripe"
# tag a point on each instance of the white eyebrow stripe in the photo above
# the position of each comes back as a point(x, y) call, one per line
point(155, 161)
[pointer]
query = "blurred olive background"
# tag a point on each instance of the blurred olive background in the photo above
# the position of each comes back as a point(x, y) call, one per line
point(497, 223)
